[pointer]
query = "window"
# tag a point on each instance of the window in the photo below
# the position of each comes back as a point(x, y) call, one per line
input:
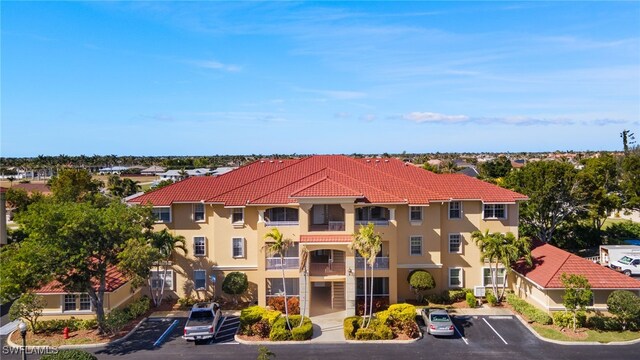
point(162, 214)
point(455, 210)
point(85, 302)
point(487, 275)
point(380, 286)
point(238, 247)
point(455, 243)
point(372, 214)
point(495, 211)
point(237, 216)
point(275, 288)
point(199, 279)
point(415, 245)
point(156, 279)
point(199, 246)
point(198, 212)
point(455, 277)
point(280, 215)
point(415, 213)
point(69, 302)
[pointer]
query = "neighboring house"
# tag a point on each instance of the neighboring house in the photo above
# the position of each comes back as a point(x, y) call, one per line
point(541, 284)
point(470, 171)
point(62, 304)
point(176, 175)
point(4, 215)
point(518, 163)
point(222, 170)
point(152, 170)
point(425, 221)
point(113, 170)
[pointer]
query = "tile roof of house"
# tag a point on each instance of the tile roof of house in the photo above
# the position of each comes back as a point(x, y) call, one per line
point(325, 238)
point(31, 187)
point(550, 262)
point(381, 181)
point(114, 280)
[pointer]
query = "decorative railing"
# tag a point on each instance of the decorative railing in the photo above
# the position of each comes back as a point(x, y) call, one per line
point(281, 223)
point(326, 269)
point(277, 263)
point(374, 222)
point(381, 263)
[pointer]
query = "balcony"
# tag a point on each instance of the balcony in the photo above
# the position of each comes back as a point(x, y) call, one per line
point(326, 269)
point(281, 223)
point(381, 263)
point(374, 222)
point(331, 226)
point(276, 263)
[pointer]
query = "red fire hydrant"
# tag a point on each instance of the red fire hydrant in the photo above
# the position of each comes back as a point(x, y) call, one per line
point(65, 332)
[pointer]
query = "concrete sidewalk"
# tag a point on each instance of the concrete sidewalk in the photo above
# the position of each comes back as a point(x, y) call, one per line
point(483, 310)
point(328, 328)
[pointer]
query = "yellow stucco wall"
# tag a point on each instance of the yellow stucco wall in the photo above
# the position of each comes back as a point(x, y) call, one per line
point(117, 299)
point(434, 229)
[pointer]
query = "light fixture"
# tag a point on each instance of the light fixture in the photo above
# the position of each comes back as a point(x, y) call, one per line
point(23, 331)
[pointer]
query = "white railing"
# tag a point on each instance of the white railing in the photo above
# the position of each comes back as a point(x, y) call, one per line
point(336, 225)
point(277, 263)
point(281, 223)
point(326, 269)
point(595, 259)
point(382, 263)
point(374, 222)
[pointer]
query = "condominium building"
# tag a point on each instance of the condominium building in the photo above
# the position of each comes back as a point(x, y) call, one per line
point(319, 202)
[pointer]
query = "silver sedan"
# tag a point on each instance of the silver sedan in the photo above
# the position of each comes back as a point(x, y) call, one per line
point(438, 322)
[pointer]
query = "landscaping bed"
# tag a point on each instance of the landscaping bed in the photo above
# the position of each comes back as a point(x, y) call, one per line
point(554, 332)
point(396, 323)
point(260, 324)
point(120, 323)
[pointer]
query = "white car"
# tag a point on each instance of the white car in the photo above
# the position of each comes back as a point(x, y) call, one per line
point(628, 265)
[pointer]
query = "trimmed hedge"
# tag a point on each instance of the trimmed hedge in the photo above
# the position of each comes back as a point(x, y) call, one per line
point(280, 332)
point(350, 325)
point(250, 316)
point(603, 323)
point(377, 330)
point(71, 354)
point(564, 319)
point(528, 310)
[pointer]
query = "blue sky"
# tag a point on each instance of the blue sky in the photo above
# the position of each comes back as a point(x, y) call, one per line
point(204, 78)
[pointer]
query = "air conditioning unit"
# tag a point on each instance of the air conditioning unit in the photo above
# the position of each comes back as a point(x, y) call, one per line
point(479, 291)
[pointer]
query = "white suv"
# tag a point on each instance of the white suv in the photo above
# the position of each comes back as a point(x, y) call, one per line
point(628, 264)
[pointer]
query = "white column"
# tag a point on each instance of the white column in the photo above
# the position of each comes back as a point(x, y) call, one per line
point(260, 216)
point(350, 285)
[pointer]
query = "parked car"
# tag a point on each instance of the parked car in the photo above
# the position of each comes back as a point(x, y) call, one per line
point(202, 322)
point(628, 264)
point(438, 322)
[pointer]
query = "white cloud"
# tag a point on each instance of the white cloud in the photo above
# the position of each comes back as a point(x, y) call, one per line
point(431, 117)
point(335, 94)
point(215, 65)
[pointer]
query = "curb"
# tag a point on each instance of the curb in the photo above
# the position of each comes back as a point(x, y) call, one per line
point(590, 343)
point(246, 342)
point(78, 346)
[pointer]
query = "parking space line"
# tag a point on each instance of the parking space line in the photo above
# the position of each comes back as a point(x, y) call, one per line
point(459, 333)
point(166, 333)
point(219, 327)
point(494, 330)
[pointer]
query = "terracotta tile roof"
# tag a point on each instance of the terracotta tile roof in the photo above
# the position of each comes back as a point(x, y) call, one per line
point(29, 187)
point(372, 180)
point(114, 280)
point(325, 238)
point(550, 262)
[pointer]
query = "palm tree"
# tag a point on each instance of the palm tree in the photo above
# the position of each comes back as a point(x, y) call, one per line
point(490, 249)
point(166, 243)
point(512, 250)
point(367, 243)
point(279, 246)
point(304, 255)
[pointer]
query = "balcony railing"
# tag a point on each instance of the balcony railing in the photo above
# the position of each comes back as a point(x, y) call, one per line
point(381, 263)
point(326, 269)
point(281, 223)
point(273, 263)
point(374, 222)
point(331, 226)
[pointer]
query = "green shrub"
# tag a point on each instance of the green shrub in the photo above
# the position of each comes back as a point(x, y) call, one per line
point(351, 325)
point(250, 316)
point(187, 302)
point(53, 326)
point(71, 354)
point(401, 312)
point(139, 307)
point(492, 299)
point(625, 306)
point(304, 332)
point(471, 300)
point(279, 334)
point(376, 331)
point(528, 310)
point(235, 283)
point(603, 323)
point(116, 320)
point(88, 324)
point(271, 316)
point(420, 280)
point(565, 319)
point(365, 334)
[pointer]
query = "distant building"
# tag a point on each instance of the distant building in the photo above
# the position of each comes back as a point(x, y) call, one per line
point(113, 170)
point(153, 170)
point(471, 171)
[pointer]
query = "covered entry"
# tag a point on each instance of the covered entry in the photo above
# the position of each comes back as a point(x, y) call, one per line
point(327, 297)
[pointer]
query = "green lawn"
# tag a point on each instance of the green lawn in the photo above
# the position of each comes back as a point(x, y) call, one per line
point(592, 335)
point(610, 222)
